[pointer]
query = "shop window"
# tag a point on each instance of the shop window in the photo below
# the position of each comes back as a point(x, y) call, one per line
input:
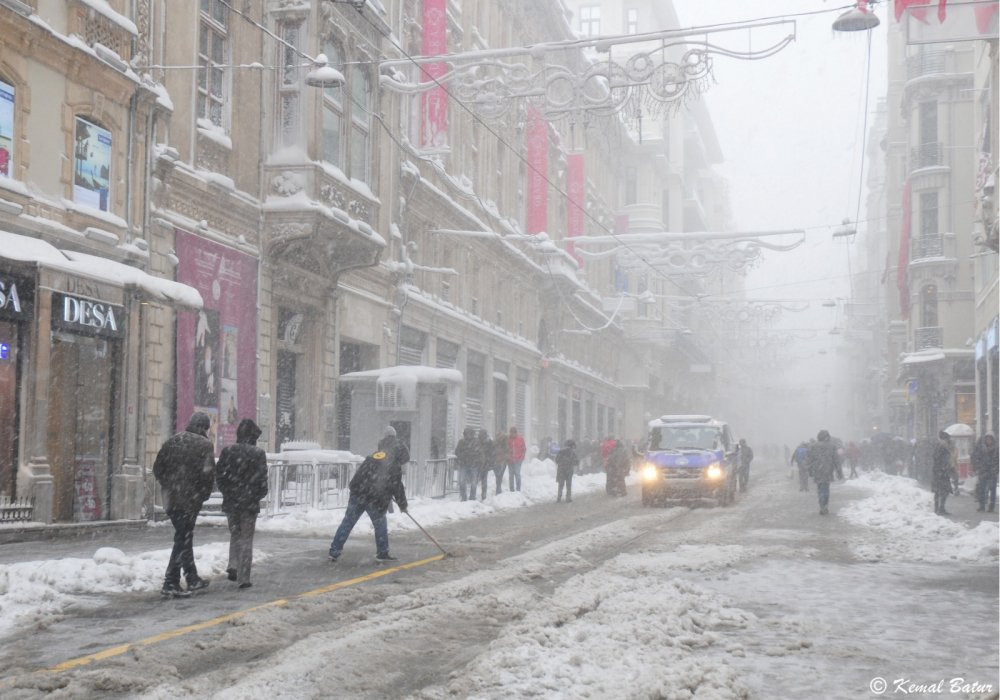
point(6, 129)
point(213, 39)
point(8, 407)
point(92, 165)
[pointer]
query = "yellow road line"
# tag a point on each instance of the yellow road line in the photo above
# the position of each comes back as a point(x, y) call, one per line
point(279, 603)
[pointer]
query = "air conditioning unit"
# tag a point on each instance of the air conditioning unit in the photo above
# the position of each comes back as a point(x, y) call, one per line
point(393, 395)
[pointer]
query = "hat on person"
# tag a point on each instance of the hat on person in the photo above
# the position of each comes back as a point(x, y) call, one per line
point(389, 431)
point(944, 436)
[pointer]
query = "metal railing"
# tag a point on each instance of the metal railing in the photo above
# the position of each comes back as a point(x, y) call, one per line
point(926, 155)
point(928, 337)
point(925, 63)
point(16, 510)
point(927, 245)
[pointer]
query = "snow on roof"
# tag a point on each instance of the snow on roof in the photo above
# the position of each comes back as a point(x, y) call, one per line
point(37, 251)
point(416, 374)
point(920, 356)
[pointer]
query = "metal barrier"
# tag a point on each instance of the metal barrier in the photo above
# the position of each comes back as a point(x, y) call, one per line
point(16, 510)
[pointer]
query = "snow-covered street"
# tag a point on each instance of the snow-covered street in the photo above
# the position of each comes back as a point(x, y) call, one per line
point(599, 598)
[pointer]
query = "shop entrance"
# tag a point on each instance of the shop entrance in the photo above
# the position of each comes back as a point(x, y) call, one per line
point(8, 407)
point(81, 431)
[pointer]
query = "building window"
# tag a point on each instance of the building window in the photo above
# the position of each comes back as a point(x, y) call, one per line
point(928, 213)
point(361, 93)
point(288, 86)
point(929, 306)
point(212, 49)
point(631, 185)
point(6, 129)
point(590, 20)
point(92, 165)
point(632, 21)
point(333, 112)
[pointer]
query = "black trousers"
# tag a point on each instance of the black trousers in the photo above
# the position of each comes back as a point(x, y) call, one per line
point(182, 555)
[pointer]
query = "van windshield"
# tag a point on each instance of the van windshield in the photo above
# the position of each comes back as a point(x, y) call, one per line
point(685, 437)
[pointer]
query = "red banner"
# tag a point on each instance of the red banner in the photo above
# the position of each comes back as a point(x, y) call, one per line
point(576, 188)
point(434, 101)
point(903, 267)
point(537, 136)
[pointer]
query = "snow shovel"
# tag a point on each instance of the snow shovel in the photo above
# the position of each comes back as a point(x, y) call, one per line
point(438, 544)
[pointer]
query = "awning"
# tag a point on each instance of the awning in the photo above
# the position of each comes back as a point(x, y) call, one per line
point(38, 252)
point(412, 374)
point(921, 356)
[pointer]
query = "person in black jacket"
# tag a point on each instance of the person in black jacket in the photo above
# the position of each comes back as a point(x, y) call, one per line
point(184, 468)
point(942, 472)
point(824, 465)
point(376, 483)
point(241, 474)
point(467, 459)
point(566, 463)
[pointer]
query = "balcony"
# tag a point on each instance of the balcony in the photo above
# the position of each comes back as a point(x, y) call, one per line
point(927, 155)
point(925, 63)
point(929, 337)
point(928, 245)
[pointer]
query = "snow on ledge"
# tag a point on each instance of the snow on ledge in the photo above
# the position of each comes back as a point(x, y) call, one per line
point(102, 8)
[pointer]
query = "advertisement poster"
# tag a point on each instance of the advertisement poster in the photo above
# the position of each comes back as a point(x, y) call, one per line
point(6, 128)
point(92, 165)
point(87, 504)
point(217, 346)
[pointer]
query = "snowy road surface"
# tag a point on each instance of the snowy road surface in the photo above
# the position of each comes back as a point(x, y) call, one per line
point(600, 598)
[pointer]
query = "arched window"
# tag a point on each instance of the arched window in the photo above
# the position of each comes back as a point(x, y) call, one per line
point(929, 306)
point(6, 129)
point(333, 110)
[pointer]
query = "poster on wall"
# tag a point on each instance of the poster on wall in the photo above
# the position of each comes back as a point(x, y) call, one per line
point(217, 346)
point(92, 165)
point(6, 128)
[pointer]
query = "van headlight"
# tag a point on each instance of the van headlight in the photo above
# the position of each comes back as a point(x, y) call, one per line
point(714, 471)
point(650, 473)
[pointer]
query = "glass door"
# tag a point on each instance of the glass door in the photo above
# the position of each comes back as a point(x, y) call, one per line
point(8, 407)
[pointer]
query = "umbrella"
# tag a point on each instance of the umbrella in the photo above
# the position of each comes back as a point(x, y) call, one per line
point(960, 430)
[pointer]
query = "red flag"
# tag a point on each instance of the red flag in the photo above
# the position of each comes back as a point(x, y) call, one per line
point(901, 6)
point(434, 101)
point(985, 16)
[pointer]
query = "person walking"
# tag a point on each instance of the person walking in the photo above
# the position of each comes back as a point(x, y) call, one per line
point(501, 458)
point(746, 456)
point(467, 458)
point(984, 464)
point(566, 463)
point(241, 474)
point(184, 468)
point(517, 449)
point(618, 467)
point(853, 454)
point(376, 483)
point(801, 461)
point(485, 464)
point(607, 447)
point(824, 465)
point(942, 472)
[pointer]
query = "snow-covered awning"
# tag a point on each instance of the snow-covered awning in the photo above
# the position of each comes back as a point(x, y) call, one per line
point(38, 252)
point(921, 356)
point(415, 374)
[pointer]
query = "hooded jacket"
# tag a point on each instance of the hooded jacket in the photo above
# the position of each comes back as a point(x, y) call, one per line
point(467, 450)
point(241, 471)
point(824, 462)
point(377, 481)
point(185, 464)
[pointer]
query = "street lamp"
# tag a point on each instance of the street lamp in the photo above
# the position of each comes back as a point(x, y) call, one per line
point(857, 19)
point(323, 75)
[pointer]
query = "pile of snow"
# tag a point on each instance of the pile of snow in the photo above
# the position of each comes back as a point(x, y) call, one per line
point(902, 510)
point(37, 592)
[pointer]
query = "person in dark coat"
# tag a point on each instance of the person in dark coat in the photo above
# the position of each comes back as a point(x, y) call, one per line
point(984, 464)
point(942, 472)
point(501, 458)
point(485, 463)
point(746, 456)
point(394, 448)
point(467, 459)
point(241, 474)
point(619, 464)
point(824, 465)
point(566, 463)
point(801, 461)
point(376, 483)
point(184, 468)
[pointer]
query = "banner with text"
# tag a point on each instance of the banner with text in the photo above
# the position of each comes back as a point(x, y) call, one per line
point(434, 101)
point(537, 146)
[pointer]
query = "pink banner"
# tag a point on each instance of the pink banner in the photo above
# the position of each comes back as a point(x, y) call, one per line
point(217, 346)
point(537, 136)
point(576, 188)
point(434, 101)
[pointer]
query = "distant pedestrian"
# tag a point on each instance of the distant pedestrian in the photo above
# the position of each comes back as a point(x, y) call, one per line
point(467, 458)
point(984, 464)
point(853, 454)
point(607, 447)
point(241, 474)
point(801, 461)
point(619, 464)
point(501, 458)
point(566, 463)
point(824, 465)
point(376, 483)
point(746, 456)
point(943, 471)
point(485, 465)
point(517, 448)
point(184, 467)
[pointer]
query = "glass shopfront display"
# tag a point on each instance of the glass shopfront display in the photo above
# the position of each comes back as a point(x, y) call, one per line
point(8, 407)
